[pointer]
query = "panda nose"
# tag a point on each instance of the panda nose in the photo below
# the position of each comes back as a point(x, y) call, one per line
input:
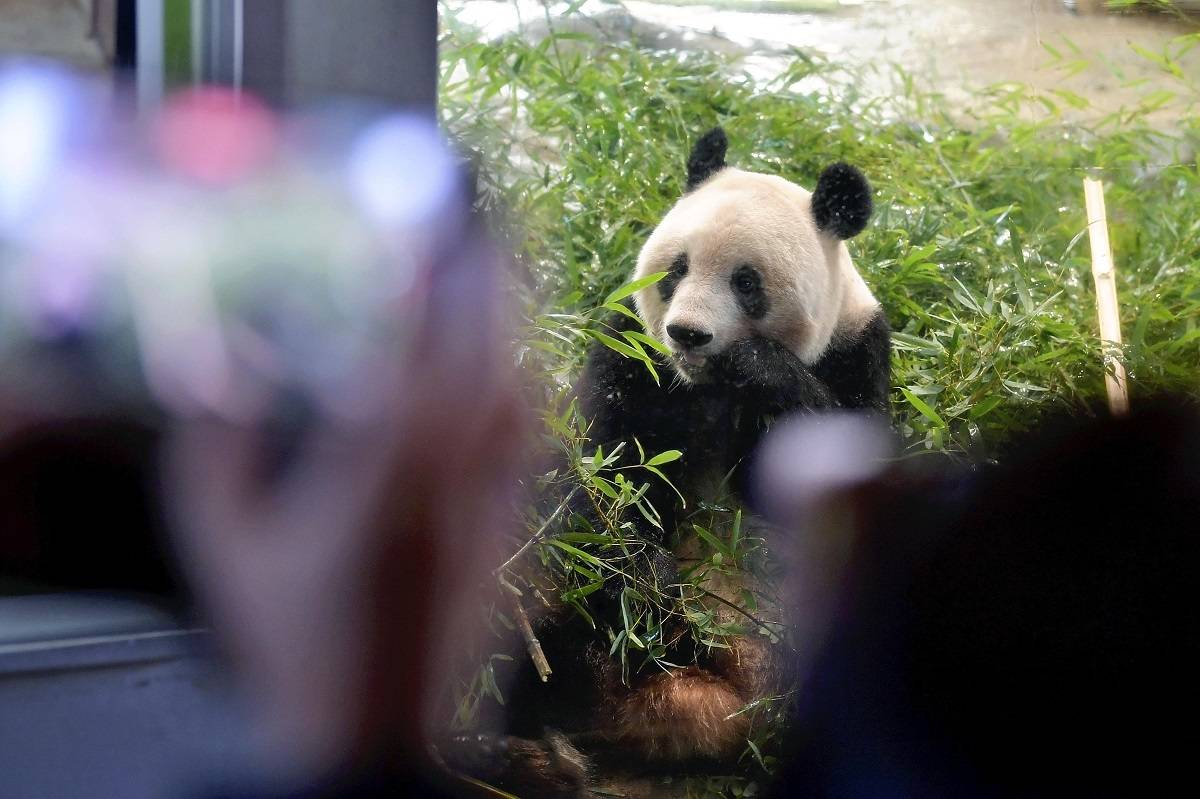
point(689, 337)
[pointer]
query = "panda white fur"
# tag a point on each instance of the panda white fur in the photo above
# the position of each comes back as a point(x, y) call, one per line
point(765, 315)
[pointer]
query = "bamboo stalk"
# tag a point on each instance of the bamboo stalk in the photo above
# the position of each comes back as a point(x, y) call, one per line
point(532, 645)
point(538, 536)
point(1105, 276)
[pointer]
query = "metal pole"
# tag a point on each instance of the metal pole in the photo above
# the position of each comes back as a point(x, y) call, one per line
point(149, 20)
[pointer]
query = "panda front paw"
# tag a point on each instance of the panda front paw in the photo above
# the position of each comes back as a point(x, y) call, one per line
point(778, 380)
point(758, 361)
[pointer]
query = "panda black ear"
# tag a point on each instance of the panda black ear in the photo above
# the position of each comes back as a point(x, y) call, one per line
point(841, 202)
point(708, 156)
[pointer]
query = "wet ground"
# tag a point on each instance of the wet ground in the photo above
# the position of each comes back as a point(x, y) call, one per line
point(955, 46)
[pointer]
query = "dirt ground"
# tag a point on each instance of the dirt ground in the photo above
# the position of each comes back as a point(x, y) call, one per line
point(953, 45)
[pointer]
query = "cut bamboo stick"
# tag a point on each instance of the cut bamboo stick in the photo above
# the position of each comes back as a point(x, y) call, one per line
point(532, 644)
point(1105, 276)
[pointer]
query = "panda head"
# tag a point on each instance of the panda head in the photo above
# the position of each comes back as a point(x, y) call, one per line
point(748, 254)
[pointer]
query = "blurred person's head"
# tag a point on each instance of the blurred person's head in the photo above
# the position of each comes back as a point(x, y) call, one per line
point(1016, 630)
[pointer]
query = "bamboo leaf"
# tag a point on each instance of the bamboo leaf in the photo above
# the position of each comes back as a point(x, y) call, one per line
point(634, 287)
point(669, 456)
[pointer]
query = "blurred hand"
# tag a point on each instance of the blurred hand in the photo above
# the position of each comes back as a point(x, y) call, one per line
point(339, 583)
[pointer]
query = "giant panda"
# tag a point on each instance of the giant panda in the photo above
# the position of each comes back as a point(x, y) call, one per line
point(764, 315)
point(761, 307)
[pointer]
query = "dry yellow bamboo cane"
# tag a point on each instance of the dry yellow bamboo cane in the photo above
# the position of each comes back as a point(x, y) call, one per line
point(1105, 276)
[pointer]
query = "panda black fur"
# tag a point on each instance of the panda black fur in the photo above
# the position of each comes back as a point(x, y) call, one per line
point(765, 316)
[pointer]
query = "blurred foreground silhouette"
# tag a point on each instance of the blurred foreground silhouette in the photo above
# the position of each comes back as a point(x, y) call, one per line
point(266, 358)
point(1022, 629)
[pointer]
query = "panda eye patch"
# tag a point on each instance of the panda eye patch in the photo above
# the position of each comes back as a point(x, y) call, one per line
point(678, 271)
point(747, 286)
